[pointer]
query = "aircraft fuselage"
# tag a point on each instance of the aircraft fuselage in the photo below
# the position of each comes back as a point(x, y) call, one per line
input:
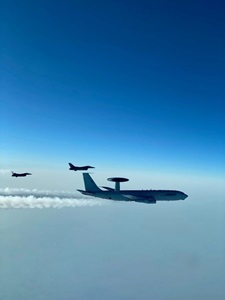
point(82, 168)
point(20, 174)
point(146, 196)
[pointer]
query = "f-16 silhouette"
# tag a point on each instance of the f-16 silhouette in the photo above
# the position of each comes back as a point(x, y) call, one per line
point(20, 174)
point(83, 168)
point(143, 196)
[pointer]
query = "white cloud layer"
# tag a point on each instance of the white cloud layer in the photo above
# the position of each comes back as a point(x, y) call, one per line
point(24, 198)
point(38, 193)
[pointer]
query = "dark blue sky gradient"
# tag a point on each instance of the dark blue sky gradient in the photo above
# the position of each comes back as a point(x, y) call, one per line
point(114, 81)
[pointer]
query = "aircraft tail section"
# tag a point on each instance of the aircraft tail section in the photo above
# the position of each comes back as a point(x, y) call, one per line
point(90, 185)
point(71, 166)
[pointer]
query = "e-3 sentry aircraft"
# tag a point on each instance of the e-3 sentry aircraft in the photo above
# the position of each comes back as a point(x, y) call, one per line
point(143, 196)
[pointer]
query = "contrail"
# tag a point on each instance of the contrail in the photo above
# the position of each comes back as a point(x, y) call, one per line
point(37, 193)
point(25, 198)
point(44, 202)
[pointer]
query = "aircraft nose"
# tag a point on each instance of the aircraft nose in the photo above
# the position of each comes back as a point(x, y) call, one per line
point(184, 196)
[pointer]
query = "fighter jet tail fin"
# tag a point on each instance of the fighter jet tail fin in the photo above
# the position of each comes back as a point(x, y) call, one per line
point(71, 166)
point(90, 185)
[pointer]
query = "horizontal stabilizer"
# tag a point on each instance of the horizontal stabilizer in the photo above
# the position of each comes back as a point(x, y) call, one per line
point(108, 188)
point(86, 193)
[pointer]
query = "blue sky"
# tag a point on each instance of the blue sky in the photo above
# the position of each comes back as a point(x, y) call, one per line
point(136, 89)
point(114, 84)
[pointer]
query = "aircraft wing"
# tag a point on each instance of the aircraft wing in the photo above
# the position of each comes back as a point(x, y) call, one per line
point(140, 198)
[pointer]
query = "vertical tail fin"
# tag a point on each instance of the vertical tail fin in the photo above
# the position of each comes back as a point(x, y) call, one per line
point(71, 166)
point(90, 185)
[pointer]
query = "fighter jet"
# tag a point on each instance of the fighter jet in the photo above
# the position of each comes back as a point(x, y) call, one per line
point(75, 168)
point(142, 196)
point(20, 174)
